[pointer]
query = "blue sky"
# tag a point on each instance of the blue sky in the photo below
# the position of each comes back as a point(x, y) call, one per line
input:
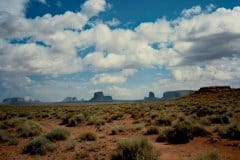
point(51, 49)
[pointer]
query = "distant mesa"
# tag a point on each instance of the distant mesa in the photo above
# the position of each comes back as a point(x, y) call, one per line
point(215, 89)
point(151, 97)
point(176, 94)
point(14, 100)
point(99, 97)
point(70, 99)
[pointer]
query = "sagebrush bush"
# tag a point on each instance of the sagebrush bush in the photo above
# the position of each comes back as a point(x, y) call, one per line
point(231, 131)
point(161, 137)
point(29, 129)
point(208, 155)
point(37, 146)
point(15, 122)
point(75, 120)
point(152, 130)
point(117, 129)
point(183, 130)
point(5, 136)
point(58, 133)
point(87, 136)
point(138, 148)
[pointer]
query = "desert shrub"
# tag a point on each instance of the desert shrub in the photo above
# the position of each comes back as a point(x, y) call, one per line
point(117, 129)
point(162, 137)
point(205, 121)
point(29, 129)
point(70, 146)
point(183, 130)
point(203, 111)
point(231, 131)
point(100, 122)
point(137, 127)
point(88, 136)
point(91, 120)
point(117, 116)
point(209, 155)
point(135, 149)
point(58, 133)
point(15, 122)
point(180, 132)
point(199, 131)
point(73, 120)
point(219, 119)
point(152, 130)
point(5, 136)
point(65, 118)
point(162, 121)
point(37, 146)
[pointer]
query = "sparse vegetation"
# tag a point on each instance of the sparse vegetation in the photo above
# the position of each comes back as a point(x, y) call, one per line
point(88, 136)
point(29, 129)
point(173, 122)
point(58, 133)
point(37, 146)
point(5, 136)
point(152, 130)
point(135, 149)
point(208, 155)
point(117, 129)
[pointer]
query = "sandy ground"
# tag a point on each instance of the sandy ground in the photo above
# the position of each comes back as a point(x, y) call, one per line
point(104, 146)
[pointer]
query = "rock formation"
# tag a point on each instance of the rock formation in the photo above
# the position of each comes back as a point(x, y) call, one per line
point(70, 99)
point(215, 89)
point(151, 97)
point(99, 97)
point(14, 100)
point(176, 94)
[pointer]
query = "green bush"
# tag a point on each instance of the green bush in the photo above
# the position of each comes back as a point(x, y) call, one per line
point(135, 149)
point(231, 131)
point(183, 130)
point(116, 130)
point(88, 136)
point(209, 155)
point(152, 130)
point(29, 129)
point(161, 137)
point(117, 116)
point(15, 122)
point(162, 121)
point(37, 146)
point(58, 133)
point(5, 136)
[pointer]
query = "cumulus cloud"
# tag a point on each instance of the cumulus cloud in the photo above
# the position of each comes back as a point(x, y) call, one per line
point(192, 11)
point(200, 45)
point(114, 78)
point(93, 7)
point(14, 7)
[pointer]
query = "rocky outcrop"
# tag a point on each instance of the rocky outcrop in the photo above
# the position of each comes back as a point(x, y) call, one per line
point(151, 97)
point(215, 89)
point(14, 101)
point(176, 94)
point(70, 99)
point(99, 97)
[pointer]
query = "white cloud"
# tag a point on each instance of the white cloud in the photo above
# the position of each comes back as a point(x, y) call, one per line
point(14, 7)
point(92, 7)
point(114, 78)
point(114, 22)
point(192, 11)
point(201, 45)
point(43, 1)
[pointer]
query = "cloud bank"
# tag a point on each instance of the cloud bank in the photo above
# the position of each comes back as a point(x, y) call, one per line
point(202, 44)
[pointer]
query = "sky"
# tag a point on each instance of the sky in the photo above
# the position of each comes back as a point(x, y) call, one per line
point(52, 49)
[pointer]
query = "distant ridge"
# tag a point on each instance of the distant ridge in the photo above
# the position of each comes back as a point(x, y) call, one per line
point(169, 95)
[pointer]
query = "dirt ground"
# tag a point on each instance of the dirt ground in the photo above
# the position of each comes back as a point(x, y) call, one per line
point(104, 146)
